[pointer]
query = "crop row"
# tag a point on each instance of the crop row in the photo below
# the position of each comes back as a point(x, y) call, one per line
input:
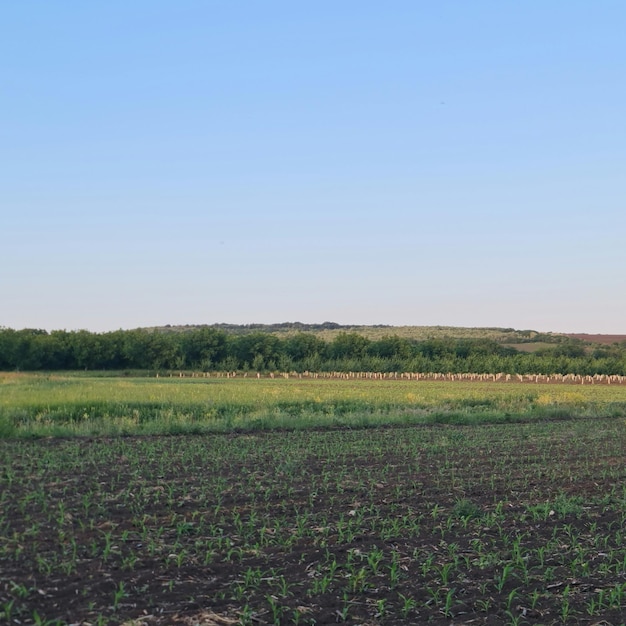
point(507, 524)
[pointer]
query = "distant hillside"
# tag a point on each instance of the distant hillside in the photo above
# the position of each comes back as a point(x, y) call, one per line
point(329, 330)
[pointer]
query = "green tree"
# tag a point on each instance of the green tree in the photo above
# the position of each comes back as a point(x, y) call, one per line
point(303, 345)
point(9, 341)
point(151, 350)
point(391, 347)
point(348, 346)
point(204, 346)
point(259, 348)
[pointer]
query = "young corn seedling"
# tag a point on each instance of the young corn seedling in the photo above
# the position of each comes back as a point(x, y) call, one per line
point(502, 578)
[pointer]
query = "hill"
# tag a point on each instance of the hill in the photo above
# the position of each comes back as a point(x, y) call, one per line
point(329, 330)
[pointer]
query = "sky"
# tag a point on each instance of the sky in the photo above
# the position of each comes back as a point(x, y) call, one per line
point(406, 163)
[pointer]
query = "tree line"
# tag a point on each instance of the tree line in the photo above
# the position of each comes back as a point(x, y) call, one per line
point(209, 349)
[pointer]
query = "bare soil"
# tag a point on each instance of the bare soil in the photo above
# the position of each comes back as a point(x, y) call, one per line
point(602, 339)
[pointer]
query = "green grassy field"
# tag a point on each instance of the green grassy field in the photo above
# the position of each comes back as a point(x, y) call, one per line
point(65, 405)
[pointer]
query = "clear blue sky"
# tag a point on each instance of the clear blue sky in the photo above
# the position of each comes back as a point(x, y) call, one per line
point(409, 162)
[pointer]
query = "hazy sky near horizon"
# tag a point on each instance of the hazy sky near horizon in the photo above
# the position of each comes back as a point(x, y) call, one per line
point(409, 162)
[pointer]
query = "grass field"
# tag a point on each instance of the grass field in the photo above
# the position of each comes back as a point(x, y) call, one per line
point(284, 509)
point(41, 405)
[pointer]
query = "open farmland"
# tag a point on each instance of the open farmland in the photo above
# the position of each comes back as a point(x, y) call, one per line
point(486, 524)
point(601, 339)
point(410, 520)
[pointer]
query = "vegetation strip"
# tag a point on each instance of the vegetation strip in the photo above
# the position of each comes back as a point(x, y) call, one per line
point(67, 405)
point(329, 349)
